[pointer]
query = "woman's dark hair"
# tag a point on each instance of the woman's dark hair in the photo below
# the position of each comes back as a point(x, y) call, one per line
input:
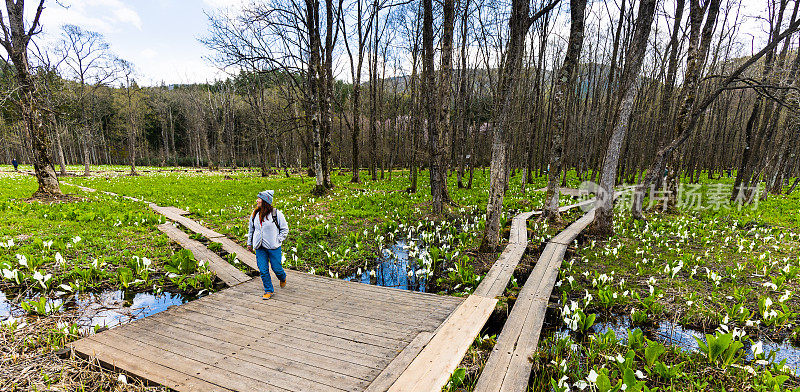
point(262, 211)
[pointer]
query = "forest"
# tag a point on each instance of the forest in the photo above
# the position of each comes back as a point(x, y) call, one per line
point(742, 100)
point(439, 133)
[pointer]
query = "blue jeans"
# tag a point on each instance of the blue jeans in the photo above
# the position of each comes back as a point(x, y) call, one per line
point(265, 258)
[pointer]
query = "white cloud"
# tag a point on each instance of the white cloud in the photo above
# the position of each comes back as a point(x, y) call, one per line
point(127, 15)
point(149, 53)
point(224, 4)
point(103, 16)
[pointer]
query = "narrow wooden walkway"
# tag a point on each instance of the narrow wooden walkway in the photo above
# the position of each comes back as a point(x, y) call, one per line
point(566, 191)
point(508, 369)
point(431, 370)
point(224, 270)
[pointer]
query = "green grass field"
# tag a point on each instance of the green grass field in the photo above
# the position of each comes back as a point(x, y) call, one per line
point(730, 272)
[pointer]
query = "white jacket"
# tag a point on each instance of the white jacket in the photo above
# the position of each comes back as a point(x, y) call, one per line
point(267, 234)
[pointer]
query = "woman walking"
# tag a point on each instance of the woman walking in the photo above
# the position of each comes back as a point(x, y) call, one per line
point(267, 230)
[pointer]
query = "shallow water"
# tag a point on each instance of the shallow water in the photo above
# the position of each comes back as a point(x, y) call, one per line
point(683, 338)
point(393, 269)
point(112, 308)
point(5, 307)
point(104, 309)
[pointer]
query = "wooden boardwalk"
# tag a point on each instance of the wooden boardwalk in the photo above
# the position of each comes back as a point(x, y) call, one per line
point(508, 369)
point(224, 270)
point(431, 370)
point(317, 334)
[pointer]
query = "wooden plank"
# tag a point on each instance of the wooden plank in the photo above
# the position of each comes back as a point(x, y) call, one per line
point(190, 224)
point(353, 294)
point(228, 366)
point(196, 227)
point(519, 229)
point(374, 293)
point(316, 334)
point(228, 273)
point(508, 368)
point(496, 280)
point(183, 364)
point(431, 369)
point(275, 359)
point(176, 210)
point(338, 329)
point(275, 310)
point(406, 300)
point(382, 320)
point(520, 366)
point(244, 255)
point(400, 363)
point(267, 348)
point(352, 303)
point(575, 205)
point(328, 348)
point(132, 364)
point(572, 231)
point(498, 363)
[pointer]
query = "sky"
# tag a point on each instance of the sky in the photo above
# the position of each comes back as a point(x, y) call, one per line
point(160, 37)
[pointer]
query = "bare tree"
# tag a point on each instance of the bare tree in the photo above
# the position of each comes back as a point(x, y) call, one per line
point(87, 58)
point(16, 38)
point(361, 35)
point(439, 118)
point(127, 72)
point(603, 223)
point(519, 24)
point(285, 36)
point(563, 85)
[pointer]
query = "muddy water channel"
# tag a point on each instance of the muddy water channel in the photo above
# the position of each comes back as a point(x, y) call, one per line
point(394, 269)
point(683, 338)
point(102, 309)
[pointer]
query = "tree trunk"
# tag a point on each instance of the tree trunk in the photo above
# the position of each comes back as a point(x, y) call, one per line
point(327, 100)
point(603, 223)
point(16, 42)
point(314, 67)
point(519, 24)
point(463, 95)
point(373, 98)
point(687, 117)
point(86, 138)
point(131, 132)
point(59, 147)
point(563, 85)
point(440, 127)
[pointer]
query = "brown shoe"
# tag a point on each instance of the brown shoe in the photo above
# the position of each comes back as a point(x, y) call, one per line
point(267, 296)
point(283, 283)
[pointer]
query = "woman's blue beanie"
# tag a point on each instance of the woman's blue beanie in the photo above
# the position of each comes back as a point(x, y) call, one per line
point(266, 196)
